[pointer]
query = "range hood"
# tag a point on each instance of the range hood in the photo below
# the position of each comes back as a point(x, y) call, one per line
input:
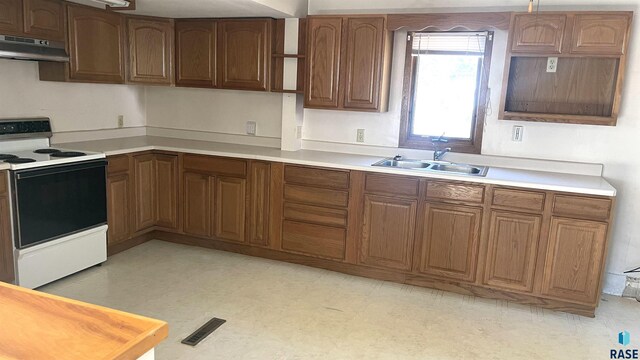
point(14, 47)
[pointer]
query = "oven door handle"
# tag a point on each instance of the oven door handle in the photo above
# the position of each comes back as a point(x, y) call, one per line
point(59, 169)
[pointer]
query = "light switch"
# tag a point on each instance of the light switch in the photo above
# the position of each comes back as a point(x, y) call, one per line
point(518, 133)
point(251, 128)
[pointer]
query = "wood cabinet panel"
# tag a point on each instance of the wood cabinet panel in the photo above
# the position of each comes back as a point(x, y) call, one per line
point(244, 53)
point(388, 232)
point(323, 62)
point(316, 196)
point(512, 250)
point(96, 45)
point(6, 242)
point(215, 165)
point(4, 183)
point(315, 214)
point(11, 18)
point(166, 197)
point(314, 240)
point(150, 51)
point(309, 176)
point(118, 208)
point(574, 260)
point(259, 202)
point(198, 201)
point(518, 200)
point(196, 53)
point(600, 34)
point(393, 185)
point(582, 207)
point(449, 241)
point(44, 19)
point(455, 192)
point(538, 33)
point(144, 191)
point(117, 164)
point(364, 57)
point(230, 208)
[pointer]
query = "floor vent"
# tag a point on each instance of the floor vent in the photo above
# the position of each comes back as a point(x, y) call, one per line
point(203, 331)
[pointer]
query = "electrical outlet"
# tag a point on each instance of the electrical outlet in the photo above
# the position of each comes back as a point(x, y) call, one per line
point(251, 128)
point(298, 132)
point(518, 133)
point(552, 64)
point(360, 136)
point(120, 121)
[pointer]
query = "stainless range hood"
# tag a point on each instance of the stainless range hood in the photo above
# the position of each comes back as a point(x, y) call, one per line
point(14, 47)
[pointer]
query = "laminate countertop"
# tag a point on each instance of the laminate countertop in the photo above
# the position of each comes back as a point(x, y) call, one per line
point(35, 325)
point(581, 184)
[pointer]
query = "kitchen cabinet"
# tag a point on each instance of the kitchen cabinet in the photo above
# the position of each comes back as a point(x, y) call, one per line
point(6, 237)
point(230, 208)
point(166, 194)
point(600, 34)
point(244, 53)
point(197, 204)
point(11, 18)
point(150, 51)
point(118, 208)
point(348, 62)
point(196, 53)
point(44, 19)
point(144, 195)
point(538, 33)
point(258, 216)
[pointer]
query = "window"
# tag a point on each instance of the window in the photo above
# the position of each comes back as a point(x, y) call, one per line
point(445, 90)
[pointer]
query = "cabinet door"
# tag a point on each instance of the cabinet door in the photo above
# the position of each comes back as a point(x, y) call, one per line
point(166, 168)
point(118, 214)
point(11, 17)
point(244, 51)
point(365, 42)
point(449, 241)
point(230, 208)
point(144, 191)
point(197, 204)
point(196, 53)
point(259, 181)
point(44, 19)
point(388, 232)
point(150, 51)
point(535, 33)
point(6, 242)
point(323, 62)
point(96, 45)
point(512, 250)
point(600, 34)
point(574, 260)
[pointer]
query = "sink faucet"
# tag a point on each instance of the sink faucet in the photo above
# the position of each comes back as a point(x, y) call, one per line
point(437, 152)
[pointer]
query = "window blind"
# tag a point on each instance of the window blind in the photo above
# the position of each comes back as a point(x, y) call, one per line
point(463, 42)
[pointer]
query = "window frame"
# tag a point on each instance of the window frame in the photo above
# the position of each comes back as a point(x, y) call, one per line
point(408, 140)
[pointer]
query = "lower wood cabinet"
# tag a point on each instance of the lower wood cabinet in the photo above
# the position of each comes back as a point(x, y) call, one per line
point(144, 185)
point(197, 197)
point(258, 216)
point(449, 241)
point(230, 208)
point(6, 242)
point(118, 208)
point(574, 260)
point(166, 194)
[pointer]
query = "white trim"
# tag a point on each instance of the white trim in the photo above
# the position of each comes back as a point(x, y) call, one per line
point(272, 142)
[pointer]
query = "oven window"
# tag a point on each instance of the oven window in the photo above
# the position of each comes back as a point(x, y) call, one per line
point(52, 203)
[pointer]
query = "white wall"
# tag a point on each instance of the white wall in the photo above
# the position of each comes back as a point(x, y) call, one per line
point(71, 107)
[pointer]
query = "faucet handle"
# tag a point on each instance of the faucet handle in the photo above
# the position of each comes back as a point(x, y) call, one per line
point(397, 158)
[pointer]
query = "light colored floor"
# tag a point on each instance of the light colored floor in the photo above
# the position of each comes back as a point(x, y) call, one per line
point(276, 310)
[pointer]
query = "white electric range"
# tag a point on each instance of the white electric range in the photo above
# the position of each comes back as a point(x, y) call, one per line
point(58, 203)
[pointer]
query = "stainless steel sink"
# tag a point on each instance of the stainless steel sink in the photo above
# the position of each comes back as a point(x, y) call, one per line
point(460, 169)
point(403, 164)
point(439, 166)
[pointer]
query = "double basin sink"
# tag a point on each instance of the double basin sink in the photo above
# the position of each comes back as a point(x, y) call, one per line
point(434, 166)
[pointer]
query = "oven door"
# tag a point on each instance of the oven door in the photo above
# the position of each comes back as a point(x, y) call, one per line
point(56, 201)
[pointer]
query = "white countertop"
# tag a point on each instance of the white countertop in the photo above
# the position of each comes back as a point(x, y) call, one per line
point(582, 184)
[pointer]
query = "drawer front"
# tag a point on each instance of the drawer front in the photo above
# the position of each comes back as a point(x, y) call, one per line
point(457, 192)
point(316, 196)
point(394, 185)
point(315, 214)
point(314, 240)
point(217, 165)
point(582, 207)
point(316, 177)
point(118, 164)
point(4, 188)
point(518, 200)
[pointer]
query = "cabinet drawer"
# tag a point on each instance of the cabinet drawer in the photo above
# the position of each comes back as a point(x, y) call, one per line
point(316, 177)
point(118, 164)
point(315, 214)
point(518, 200)
point(395, 185)
point(3, 182)
point(316, 196)
point(315, 240)
point(458, 192)
point(218, 165)
point(582, 207)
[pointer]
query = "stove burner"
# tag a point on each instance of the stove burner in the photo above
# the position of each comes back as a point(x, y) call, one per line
point(7, 156)
point(47, 151)
point(18, 160)
point(64, 154)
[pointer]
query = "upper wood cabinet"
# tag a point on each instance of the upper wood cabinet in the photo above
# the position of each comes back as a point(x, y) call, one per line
point(600, 34)
point(538, 33)
point(196, 53)
point(244, 53)
point(11, 18)
point(96, 45)
point(44, 19)
point(348, 62)
point(150, 51)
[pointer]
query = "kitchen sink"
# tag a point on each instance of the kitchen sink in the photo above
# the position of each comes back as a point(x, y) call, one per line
point(435, 166)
